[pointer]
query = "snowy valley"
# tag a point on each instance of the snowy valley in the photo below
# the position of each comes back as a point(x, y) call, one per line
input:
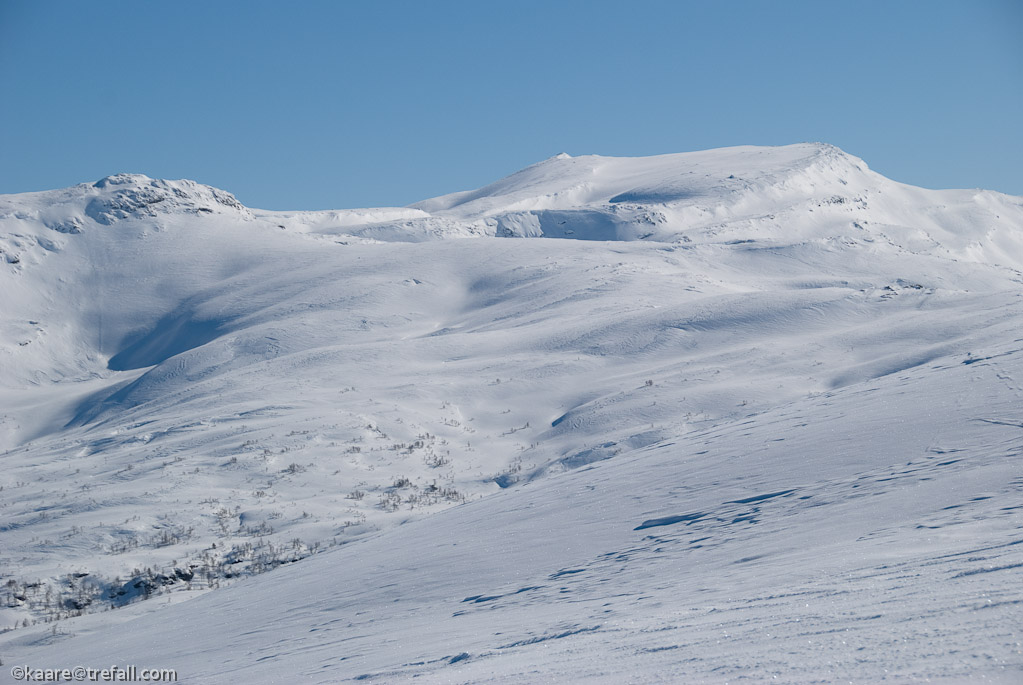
point(702, 417)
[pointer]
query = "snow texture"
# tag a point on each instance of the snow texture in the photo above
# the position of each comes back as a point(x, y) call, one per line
point(722, 416)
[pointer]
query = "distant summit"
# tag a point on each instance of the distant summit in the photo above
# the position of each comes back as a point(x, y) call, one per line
point(137, 195)
point(749, 194)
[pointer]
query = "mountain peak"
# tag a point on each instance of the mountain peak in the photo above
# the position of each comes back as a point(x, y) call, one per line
point(137, 195)
point(122, 180)
point(679, 179)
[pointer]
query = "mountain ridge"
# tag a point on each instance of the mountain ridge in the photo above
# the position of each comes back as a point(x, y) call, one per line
point(740, 193)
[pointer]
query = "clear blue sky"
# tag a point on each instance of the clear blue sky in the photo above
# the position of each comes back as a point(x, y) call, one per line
point(312, 105)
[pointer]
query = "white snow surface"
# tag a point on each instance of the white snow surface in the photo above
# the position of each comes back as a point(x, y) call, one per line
point(734, 415)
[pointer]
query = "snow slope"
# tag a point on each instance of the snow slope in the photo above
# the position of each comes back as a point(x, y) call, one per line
point(743, 412)
point(840, 537)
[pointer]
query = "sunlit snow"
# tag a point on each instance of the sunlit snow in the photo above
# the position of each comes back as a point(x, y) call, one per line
point(739, 414)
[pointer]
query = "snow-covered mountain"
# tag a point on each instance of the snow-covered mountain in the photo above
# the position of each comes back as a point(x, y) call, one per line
point(747, 412)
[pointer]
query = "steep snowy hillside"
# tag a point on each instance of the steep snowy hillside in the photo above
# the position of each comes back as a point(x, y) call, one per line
point(851, 537)
point(751, 344)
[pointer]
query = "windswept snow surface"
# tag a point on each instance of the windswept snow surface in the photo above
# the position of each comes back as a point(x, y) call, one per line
point(748, 413)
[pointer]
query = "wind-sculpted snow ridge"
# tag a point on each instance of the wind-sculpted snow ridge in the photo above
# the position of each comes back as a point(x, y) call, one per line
point(721, 399)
